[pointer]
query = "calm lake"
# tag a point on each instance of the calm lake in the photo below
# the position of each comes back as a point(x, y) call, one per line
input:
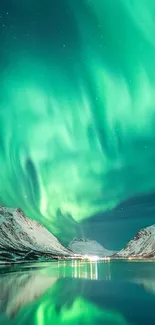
point(74, 292)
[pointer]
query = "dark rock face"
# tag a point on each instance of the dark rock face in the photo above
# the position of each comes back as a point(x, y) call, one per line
point(23, 239)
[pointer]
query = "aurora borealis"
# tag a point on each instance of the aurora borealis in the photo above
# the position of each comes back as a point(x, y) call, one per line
point(77, 113)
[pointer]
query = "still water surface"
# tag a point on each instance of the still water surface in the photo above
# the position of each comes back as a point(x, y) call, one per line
point(75, 292)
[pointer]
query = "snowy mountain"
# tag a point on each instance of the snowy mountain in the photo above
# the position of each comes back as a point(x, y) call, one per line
point(24, 239)
point(83, 246)
point(142, 245)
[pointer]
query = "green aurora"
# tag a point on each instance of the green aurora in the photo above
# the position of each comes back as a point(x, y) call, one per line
point(77, 108)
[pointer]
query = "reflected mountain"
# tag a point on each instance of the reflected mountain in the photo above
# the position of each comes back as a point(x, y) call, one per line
point(78, 293)
point(19, 289)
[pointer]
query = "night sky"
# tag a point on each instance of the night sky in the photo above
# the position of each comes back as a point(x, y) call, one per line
point(77, 115)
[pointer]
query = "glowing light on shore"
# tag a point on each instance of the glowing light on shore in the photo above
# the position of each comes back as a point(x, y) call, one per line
point(95, 258)
point(92, 258)
point(107, 258)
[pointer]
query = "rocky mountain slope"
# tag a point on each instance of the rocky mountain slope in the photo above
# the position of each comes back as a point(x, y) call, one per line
point(24, 239)
point(89, 247)
point(142, 245)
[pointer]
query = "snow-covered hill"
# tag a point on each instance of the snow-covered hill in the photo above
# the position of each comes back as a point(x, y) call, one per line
point(142, 245)
point(89, 247)
point(23, 239)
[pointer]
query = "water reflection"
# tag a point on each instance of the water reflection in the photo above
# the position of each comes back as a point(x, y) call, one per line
point(78, 293)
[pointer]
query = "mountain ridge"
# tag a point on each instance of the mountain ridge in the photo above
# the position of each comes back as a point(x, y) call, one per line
point(85, 246)
point(22, 238)
point(142, 245)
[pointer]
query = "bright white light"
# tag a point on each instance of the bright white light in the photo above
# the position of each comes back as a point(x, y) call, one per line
point(92, 258)
point(107, 258)
point(95, 258)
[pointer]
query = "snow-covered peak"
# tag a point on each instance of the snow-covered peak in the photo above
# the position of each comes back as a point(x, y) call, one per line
point(22, 237)
point(84, 246)
point(142, 245)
